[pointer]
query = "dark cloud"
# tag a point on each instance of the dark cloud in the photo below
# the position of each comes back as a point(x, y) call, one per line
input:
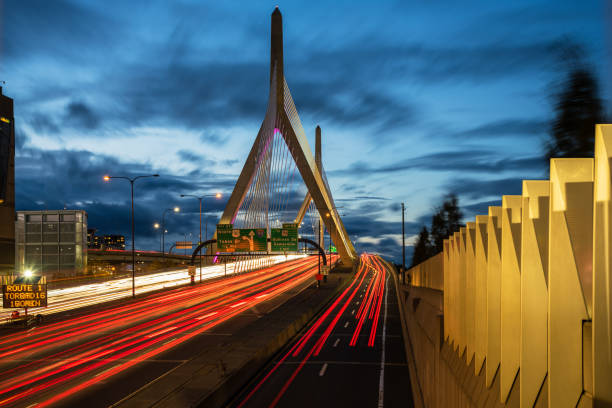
point(461, 160)
point(477, 189)
point(195, 158)
point(80, 115)
point(507, 127)
point(52, 179)
point(213, 138)
point(42, 123)
point(479, 208)
point(63, 29)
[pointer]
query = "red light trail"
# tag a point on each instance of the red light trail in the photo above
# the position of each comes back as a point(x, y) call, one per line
point(64, 358)
point(369, 310)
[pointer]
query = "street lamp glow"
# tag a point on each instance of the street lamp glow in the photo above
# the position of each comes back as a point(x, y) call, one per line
point(28, 273)
point(218, 195)
point(156, 225)
point(176, 209)
point(106, 178)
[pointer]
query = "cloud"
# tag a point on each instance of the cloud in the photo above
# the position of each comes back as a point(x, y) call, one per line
point(55, 179)
point(476, 189)
point(507, 127)
point(80, 115)
point(195, 158)
point(460, 160)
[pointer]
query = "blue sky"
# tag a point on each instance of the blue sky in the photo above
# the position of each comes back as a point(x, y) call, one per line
point(415, 99)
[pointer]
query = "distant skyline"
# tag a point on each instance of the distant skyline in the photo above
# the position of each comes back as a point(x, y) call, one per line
point(415, 100)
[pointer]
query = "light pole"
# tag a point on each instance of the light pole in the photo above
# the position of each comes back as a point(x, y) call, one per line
point(157, 226)
point(175, 209)
point(218, 195)
point(131, 180)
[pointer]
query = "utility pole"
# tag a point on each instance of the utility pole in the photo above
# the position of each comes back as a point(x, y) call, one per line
point(403, 248)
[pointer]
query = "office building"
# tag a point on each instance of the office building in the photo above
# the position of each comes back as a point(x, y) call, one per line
point(93, 240)
point(113, 242)
point(7, 185)
point(52, 242)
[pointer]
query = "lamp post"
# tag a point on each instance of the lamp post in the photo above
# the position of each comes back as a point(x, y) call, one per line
point(175, 209)
point(218, 195)
point(131, 180)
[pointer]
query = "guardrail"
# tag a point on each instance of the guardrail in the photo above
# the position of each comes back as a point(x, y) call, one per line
point(528, 289)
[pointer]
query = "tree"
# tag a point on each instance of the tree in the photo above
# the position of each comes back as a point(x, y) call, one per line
point(422, 248)
point(445, 222)
point(577, 109)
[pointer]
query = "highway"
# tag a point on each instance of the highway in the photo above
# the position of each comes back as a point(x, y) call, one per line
point(60, 300)
point(351, 355)
point(56, 363)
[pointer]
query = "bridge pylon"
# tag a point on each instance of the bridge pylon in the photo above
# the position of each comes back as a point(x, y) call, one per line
point(282, 119)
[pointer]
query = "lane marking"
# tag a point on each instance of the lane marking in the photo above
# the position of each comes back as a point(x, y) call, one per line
point(336, 343)
point(322, 372)
point(346, 325)
point(381, 382)
point(237, 304)
point(160, 332)
point(207, 315)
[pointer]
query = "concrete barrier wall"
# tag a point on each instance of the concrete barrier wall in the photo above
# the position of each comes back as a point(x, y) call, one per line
point(517, 309)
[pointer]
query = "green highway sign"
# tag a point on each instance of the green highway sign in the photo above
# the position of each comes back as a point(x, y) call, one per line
point(230, 239)
point(333, 249)
point(250, 240)
point(225, 241)
point(284, 239)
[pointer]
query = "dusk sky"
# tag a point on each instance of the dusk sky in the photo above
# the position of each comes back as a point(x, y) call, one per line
point(415, 100)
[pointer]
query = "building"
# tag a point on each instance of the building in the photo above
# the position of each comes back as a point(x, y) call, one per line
point(51, 242)
point(7, 185)
point(113, 242)
point(93, 240)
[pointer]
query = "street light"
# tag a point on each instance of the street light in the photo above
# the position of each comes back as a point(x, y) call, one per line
point(175, 209)
point(218, 195)
point(131, 180)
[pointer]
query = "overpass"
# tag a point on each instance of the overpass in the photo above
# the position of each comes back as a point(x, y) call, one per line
point(125, 256)
point(517, 309)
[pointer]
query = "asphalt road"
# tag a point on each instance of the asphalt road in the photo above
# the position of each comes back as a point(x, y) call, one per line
point(98, 358)
point(352, 355)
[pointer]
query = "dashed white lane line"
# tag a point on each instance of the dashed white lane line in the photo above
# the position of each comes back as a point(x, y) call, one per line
point(322, 372)
point(336, 343)
point(381, 381)
point(346, 325)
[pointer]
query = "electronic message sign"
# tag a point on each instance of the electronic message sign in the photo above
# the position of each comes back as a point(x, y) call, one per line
point(21, 295)
point(284, 239)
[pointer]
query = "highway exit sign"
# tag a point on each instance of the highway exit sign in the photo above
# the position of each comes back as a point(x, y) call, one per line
point(230, 239)
point(284, 239)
